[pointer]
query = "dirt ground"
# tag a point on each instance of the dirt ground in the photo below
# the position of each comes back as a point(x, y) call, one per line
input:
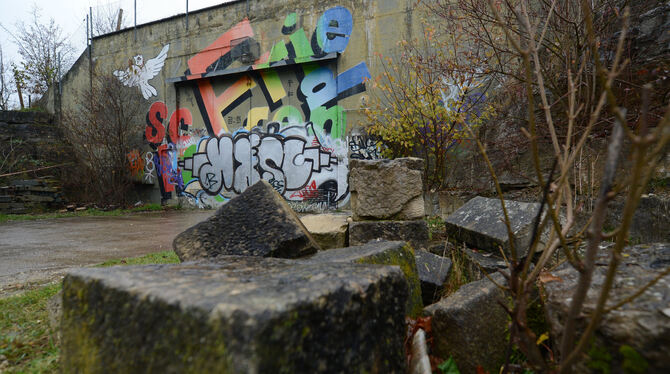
point(37, 252)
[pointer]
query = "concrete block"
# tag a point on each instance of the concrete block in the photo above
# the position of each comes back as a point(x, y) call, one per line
point(386, 189)
point(381, 253)
point(471, 326)
point(433, 272)
point(240, 315)
point(480, 224)
point(328, 230)
point(415, 232)
point(257, 222)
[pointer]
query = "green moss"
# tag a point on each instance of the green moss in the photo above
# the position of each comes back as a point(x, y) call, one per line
point(404, 258)
point(633, 362)
point(599, 359)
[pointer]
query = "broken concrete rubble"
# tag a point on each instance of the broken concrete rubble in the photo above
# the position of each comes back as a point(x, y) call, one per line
point(471, 326)
point(386, 189)
point(328, 230)
point(480, 224)
point(395, 253)
point(641, 326)
point(433, 272)
point(257, 222)
point(415, 232)
point(240, 314)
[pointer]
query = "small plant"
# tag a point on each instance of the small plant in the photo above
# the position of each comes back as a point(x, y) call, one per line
point(425, 96)
point(435, 227)
point(460, 272)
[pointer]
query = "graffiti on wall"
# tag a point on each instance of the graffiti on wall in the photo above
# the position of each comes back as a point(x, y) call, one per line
point(364, 147)
point(139, 72)
point(291, 159)
point(275, 118)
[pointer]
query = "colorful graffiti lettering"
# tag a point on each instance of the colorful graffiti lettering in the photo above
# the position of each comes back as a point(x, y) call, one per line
point(275, 118)
point(294, 162)
point(167, 144)
point(135, 163)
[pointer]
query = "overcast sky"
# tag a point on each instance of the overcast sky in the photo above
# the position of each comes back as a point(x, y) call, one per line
point(70, 15)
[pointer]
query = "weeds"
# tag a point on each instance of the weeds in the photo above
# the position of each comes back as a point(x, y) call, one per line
point(25, 336)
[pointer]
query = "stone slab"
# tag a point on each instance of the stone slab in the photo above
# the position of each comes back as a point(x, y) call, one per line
point(329, 230)
point(257, 222)
point(396, 253)
point(433, 272)
point(471, 326)
point(643, 325)
point(415, 232)
point(239, 315)
point(386, 189)
point(480, 224)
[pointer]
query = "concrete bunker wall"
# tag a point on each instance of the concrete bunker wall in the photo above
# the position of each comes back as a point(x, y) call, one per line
point(252, 90)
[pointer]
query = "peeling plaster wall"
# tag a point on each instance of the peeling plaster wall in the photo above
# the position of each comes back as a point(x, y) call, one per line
point(289, 117)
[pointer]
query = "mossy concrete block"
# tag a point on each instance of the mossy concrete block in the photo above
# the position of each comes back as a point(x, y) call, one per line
point(328, 230)
point(415, 232)
point(386, 189)
point(381, 253)
point(433, 272)
point(257, 222)
point(641, 325)
point(480, 224)
point(238, 315)
point(471, 326)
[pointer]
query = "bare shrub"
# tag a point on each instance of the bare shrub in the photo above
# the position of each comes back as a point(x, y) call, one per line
point(103, 125)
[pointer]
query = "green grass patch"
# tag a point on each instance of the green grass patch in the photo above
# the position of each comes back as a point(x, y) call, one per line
point(92, 212)
point(26, 344)
point(164, 257)
point(436, 228)
point(25, 337)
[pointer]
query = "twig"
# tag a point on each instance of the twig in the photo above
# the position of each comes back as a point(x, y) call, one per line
point(595, 238)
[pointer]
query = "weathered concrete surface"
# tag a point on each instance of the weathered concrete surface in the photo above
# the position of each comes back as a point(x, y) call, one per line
point(386, 189)
point(395, 253)
point(471, 326)
point(257, 222)
point(433, 272)
point(415, 232)
point(480, 224)
point(328, 230)
point(651, 221)
point(240, 315)
point(40, 251)
point(643, 324)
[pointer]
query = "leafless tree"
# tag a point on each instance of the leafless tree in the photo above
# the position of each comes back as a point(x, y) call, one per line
point(42, 47)
point(5, 83)
point(103, 126)
point(528, 32)
point(108, 18)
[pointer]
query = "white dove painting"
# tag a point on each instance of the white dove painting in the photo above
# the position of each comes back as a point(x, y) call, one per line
point(139, 72)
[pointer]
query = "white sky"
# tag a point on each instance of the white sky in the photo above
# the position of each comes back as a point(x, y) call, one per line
point(70, 15)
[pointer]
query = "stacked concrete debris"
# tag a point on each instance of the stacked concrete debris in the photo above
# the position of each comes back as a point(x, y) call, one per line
point(337, 311)
point(387, 201)
point(22, 196)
